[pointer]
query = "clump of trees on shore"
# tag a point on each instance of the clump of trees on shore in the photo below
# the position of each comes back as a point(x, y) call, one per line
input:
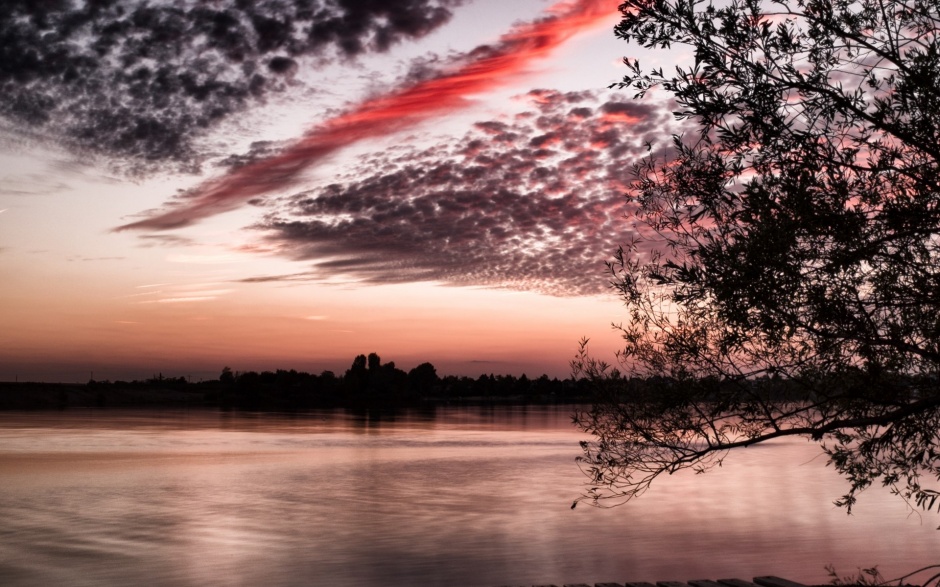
point(368, 382)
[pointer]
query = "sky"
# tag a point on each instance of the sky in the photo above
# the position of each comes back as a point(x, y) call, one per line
point(191, 185)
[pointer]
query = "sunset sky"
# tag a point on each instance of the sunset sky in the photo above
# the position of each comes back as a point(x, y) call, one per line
point(190, 185)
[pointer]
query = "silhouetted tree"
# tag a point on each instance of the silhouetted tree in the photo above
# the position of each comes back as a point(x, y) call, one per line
point(792, 240)
point(359, 364)
point(328, 386)
point(423, 378)
point(523, 386)
point(356, 377)
point(249, 390)
point(227, 377)
point(368, 380)
point(485, 385)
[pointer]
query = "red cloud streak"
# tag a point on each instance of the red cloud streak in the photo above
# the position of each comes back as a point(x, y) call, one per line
point(484, 69)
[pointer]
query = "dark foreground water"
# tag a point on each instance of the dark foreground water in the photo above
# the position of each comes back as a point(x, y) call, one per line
point(469, 496)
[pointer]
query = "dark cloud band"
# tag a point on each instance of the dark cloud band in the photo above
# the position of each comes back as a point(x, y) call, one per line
point(139, 81)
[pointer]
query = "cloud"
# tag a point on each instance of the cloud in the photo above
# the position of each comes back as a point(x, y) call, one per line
point(31, 184)
point(203, 259)
point(533, 202)
point(84, 258)
point(182, 300)
point(303, 276)
point(179, 294)
point(140, 81)
point(417, 100)
point(165, 240)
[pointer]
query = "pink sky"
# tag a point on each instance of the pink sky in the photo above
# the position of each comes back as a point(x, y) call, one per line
point(447, 191)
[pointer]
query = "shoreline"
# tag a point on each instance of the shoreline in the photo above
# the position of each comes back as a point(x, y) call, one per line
point(35, 396)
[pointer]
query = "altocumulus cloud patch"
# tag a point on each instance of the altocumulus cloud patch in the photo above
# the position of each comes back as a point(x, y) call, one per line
point(138, 80)
point(533, 202)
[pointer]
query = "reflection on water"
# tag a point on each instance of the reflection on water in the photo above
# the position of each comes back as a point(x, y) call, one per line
point(469, 496)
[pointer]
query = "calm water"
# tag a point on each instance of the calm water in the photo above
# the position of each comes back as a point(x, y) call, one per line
point(467, 497)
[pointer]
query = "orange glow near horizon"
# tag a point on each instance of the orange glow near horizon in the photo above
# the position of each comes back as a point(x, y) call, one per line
point(496, 332)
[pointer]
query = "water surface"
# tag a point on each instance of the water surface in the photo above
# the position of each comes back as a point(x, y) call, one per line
point(452, 496)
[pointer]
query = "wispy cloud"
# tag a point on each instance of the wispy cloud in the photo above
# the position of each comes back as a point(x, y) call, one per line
point(85, 259)
point(32, 184)
point(149, 293)
point(479, 70)
point(193, 259)
point(303, 276)
point(187, 297)
point(181, 300)
point(178, 293)
point(165, 240)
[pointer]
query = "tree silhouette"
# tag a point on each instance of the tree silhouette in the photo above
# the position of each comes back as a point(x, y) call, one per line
point(423, 378)
point(786, 280)
point(227, 377)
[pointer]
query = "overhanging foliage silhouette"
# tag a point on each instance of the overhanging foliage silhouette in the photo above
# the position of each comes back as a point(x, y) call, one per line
point(785, 280)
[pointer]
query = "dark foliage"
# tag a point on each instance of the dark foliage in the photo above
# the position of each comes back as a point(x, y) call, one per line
point(368, 383)
point(793, 242)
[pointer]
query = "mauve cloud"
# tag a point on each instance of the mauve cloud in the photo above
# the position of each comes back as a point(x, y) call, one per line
point(433, 94)
point(533, 202)
point(139, 81)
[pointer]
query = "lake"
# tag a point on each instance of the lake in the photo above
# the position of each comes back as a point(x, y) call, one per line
point(469, 496)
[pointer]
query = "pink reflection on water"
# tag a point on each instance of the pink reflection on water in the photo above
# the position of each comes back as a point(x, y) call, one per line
point(469, 497)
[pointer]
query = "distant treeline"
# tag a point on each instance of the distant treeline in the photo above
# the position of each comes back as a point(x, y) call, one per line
point(368, 382)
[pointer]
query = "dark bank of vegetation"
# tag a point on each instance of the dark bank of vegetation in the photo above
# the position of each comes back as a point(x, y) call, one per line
point(370, 383)
point(367, 383)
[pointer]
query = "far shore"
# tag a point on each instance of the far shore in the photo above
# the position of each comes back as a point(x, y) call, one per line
point(211, 395)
